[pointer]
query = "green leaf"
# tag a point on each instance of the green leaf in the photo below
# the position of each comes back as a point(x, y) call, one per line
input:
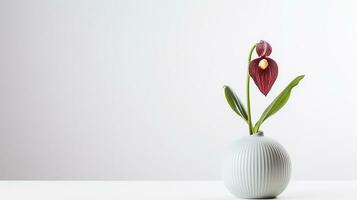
point(234, 102)
point(278, 102)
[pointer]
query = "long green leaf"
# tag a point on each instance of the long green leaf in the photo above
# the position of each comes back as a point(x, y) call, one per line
point(234, 102)
point(278, 102)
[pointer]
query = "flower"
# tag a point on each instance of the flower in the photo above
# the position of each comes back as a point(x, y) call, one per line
point(263, 70)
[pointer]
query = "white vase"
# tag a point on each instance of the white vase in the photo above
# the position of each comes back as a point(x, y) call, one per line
point(256, 167)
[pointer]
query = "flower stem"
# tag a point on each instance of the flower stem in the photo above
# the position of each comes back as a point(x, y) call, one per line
point(248, 93)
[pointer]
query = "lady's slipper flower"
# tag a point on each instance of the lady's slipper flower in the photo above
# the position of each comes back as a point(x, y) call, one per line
point(263, 70)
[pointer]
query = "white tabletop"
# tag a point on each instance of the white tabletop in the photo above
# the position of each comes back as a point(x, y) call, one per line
point(168, 190)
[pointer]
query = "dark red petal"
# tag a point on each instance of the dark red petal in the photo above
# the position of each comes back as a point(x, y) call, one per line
point(263, 48)
point(263, 78)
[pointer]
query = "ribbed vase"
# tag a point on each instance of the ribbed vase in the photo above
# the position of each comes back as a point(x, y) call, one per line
point(256, 167)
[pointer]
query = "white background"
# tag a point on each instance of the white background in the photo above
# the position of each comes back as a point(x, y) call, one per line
point(133, 89)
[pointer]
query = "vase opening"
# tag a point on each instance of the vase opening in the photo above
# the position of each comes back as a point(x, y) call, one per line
point(259, 133)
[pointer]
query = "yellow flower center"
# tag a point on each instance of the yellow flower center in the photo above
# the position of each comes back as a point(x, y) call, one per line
point(263, 63)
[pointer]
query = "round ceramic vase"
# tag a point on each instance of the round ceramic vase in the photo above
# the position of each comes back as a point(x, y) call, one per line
point(256, 167)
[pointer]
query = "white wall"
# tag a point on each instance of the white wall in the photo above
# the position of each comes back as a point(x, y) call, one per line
point(133, 89)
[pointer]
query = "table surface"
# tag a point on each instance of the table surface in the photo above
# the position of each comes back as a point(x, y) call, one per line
point(168, 190)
